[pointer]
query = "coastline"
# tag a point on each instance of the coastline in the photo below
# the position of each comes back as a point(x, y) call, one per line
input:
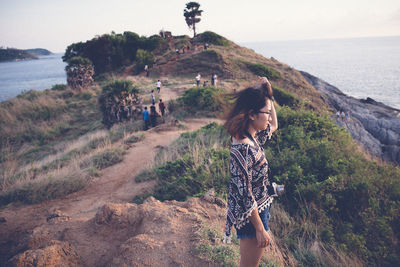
point(374, 125)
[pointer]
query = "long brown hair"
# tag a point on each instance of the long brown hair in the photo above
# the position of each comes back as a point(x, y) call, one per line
point(246, 102)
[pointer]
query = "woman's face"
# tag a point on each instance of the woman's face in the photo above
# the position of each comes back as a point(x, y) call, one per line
point(263, 117)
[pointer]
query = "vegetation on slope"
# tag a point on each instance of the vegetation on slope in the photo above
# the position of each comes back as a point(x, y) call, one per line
point(109, 52)
point(334, 196)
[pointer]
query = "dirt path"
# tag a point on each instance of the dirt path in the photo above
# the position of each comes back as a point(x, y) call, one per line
point(116, 184)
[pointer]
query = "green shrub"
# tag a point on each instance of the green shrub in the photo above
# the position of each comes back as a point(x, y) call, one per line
point(212, 38)
point(327, 183)
point(210, 248)
point(263, 71)
point(285, 98)
point(206, 101)
point(350, 196)
point(140, 198)
point(59, 87)
point(145, 176)
point(134, 139)
point(143, 58)
point(107, 158)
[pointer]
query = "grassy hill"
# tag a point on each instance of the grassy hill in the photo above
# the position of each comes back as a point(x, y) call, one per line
point(339, 209)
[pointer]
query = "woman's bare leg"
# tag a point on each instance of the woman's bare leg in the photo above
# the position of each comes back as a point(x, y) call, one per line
point(250, 254)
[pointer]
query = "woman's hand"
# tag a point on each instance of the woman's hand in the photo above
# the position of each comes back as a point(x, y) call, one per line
point(263, 238)
point(264, 80)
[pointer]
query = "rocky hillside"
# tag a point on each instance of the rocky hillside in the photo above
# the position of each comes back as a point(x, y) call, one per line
point(375, 126)
point(154, 233)
point(234, 64)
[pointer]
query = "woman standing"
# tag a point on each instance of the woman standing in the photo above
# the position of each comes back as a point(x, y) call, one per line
point(251, 122)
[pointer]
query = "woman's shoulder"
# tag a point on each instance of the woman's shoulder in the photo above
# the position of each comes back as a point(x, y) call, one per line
point(243, 146)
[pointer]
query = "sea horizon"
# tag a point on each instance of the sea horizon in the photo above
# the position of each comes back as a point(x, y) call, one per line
point(360, 67)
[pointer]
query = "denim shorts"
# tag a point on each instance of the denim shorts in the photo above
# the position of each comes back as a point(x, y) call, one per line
point(248, 231)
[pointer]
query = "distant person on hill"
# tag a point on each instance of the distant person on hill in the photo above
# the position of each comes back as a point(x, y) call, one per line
point(251, 122)
point(338, 115)
point(153, 98)
point(343, 115)
point(215, 79)
point(158, 86)
point(146, 118)
point(212, 79)
point(153, 115)
point(161, 107)
point(198, 77)
point(146, 69)
point(205, 83)
point(177, 51)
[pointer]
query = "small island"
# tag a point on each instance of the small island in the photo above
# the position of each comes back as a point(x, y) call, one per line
point(13, 54)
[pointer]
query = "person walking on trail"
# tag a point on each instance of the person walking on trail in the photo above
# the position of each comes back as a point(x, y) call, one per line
point(153, 115)
point(215, 78)
point(146, 69)
point(146, 118)
point(153, 98)
point(161, 107)
point(251, 122)
point(158, 86)
point(343, 115)
point(198, 77)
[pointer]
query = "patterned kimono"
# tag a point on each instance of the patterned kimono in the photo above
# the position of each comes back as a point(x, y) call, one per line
point(248, 185)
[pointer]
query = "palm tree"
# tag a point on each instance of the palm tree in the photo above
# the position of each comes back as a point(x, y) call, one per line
point(191, 13)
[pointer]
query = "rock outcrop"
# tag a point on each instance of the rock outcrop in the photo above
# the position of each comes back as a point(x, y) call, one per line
point(372, 124)
point(150, 234)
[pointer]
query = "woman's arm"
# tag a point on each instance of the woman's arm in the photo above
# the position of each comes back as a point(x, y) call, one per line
point(274, 121)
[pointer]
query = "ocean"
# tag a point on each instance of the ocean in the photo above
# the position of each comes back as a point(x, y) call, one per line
point(359, 67)
point(39, 74)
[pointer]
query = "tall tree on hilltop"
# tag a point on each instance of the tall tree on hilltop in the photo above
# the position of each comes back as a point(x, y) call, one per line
point(192, 13)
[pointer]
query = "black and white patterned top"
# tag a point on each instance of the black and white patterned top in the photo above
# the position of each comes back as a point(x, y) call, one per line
point(249, 180)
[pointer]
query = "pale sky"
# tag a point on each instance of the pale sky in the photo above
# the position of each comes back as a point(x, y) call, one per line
point(54, 24)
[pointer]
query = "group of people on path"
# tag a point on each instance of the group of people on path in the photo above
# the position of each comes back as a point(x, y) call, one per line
point(341, 115)
point(214, 79)
point(150, 118)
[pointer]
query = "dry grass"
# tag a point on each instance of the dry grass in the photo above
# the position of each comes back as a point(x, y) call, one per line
point(299, 237)
point(70, 169)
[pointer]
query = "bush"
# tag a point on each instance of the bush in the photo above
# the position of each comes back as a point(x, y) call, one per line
point(59, 87)
point(206, 101)
point(350, 196)
point(212, 38)
point(107, 158)
point(285, 98)
point(327, 183)
point(263, 71)
point(117, 95)
point(143, 58)
point(52, 187)
point(80, 72)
